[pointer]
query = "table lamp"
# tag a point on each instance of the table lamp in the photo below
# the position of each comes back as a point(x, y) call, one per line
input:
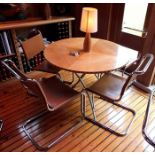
point(88, 25)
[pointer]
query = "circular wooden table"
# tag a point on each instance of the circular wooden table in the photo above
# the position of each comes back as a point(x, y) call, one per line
point(104, 55)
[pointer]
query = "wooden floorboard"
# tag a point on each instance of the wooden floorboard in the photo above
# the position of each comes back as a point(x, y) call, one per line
point(16, 106)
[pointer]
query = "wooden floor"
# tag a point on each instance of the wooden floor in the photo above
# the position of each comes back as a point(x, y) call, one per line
point(16, 107)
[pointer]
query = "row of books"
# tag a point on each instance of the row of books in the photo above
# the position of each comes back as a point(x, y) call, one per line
point(63, 30)
point(6, 43)
point(32, 62)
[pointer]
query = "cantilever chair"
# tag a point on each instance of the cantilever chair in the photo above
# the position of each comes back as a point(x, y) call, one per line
point(51, 91)
point(112, 87)
point(34, 45)
point(145, 122)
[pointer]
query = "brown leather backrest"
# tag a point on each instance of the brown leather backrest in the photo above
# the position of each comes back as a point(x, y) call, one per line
point(33, 46)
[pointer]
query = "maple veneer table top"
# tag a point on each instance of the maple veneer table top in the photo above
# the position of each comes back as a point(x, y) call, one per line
point(104, 55)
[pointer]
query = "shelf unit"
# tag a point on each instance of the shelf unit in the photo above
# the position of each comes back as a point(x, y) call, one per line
point(31, 22)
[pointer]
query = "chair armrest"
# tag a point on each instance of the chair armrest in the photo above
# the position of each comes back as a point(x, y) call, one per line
point(139, 72)
point(144, 64)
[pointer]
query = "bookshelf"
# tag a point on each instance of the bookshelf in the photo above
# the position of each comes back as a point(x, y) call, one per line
point(33, 22)
point(12, 26)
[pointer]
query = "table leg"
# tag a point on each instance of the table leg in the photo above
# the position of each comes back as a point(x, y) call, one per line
point(89, 97)
point(79, 80)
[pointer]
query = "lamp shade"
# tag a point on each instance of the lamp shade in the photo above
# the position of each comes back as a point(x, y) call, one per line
point(89, 20)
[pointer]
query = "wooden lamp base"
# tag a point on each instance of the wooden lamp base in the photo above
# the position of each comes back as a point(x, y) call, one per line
point(87, 43)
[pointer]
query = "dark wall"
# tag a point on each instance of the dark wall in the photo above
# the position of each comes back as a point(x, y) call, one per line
point(76, 12)
point(103, 19)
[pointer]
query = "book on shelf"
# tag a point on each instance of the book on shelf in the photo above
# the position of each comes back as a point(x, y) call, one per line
point(63, 30)
point(11, 43)
point(3, 50)
point(26, 67)
point(33, 62)
point(6, 43)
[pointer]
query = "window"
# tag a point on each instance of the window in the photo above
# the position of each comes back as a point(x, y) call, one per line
point(134, 18)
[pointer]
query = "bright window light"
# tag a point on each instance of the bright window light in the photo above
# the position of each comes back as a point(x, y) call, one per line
point(134, 17)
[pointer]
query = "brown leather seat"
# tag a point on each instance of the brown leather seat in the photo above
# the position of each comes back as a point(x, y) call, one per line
point(56, 93)
point(112, 87)
point(51, 91)
point(109, 86)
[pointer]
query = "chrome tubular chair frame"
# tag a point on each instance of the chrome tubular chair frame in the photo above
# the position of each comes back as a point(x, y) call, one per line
point(54, 141)
point(104, 126)
point(53, 98)
point(145, 122)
